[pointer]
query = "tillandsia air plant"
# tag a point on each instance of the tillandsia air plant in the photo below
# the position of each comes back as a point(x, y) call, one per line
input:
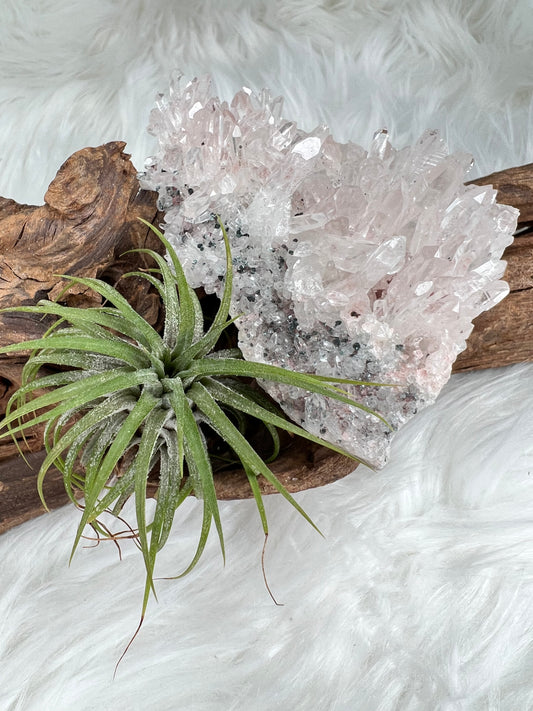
point(128, 395)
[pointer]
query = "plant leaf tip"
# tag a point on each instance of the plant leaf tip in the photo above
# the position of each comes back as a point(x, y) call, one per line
point(132, 399)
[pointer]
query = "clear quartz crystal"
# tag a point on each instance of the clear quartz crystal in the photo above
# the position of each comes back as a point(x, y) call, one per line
point(368, 265)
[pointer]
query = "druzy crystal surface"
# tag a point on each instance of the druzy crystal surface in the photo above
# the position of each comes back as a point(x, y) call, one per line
point(368, 265)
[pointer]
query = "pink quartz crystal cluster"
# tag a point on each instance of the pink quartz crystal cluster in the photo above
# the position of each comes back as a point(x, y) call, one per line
point(368, 265)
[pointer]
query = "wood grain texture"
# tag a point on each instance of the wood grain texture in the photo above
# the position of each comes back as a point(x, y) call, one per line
point(89, 219)
point(304, 466)
point(19, 500)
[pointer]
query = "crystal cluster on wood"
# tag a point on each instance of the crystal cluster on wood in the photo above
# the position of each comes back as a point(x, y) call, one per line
point(368, 265)
point(501, 336)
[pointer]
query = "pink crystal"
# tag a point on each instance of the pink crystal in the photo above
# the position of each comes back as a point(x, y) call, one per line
point(368, 265)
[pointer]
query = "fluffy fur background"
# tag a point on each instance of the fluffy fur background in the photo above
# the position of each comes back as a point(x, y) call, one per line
point(420, 597)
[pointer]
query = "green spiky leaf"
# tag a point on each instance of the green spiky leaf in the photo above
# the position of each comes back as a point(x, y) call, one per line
point(132, 401)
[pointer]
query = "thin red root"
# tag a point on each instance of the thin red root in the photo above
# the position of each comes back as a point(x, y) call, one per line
point(279, 604)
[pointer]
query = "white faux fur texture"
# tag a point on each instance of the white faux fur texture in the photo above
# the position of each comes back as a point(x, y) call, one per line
point(420, 597)
point(74, 73)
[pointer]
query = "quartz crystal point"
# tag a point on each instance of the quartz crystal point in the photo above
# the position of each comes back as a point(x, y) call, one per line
point(368, 265)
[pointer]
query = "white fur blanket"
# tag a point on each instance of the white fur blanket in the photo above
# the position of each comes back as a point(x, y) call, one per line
point(421, 596)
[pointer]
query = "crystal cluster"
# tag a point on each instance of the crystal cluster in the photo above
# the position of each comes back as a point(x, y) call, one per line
point(368, 265)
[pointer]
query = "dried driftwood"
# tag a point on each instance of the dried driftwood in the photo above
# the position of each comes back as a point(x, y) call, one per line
point(90, 218)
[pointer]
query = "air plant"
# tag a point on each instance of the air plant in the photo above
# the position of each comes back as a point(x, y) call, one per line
point(130, 399)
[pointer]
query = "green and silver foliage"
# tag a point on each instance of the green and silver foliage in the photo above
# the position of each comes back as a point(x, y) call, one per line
point(129, 394)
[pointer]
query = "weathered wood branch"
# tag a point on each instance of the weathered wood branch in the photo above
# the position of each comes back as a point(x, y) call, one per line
point(89, 219)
